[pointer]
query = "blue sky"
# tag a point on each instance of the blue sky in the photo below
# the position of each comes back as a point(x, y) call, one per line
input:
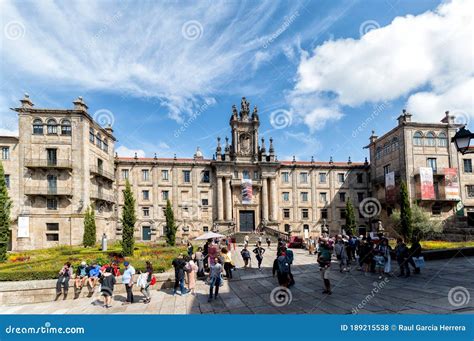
point(165, 74)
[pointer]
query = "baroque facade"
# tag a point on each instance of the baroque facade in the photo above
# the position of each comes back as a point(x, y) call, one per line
point(63, 162)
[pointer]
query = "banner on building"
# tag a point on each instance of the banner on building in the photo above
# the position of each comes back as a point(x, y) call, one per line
point(451, 180)
point(390, 191)
point(23, 227)
point(426, 181)
point(247, 192)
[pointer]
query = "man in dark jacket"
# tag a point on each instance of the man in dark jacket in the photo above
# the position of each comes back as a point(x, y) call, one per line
point(401, 252)
point(415, 251)
point(179, 264)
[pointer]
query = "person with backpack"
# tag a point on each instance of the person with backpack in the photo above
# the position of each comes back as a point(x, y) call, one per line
point(324, 261)
point(259, 251)
point(107, 282)
point(281, 267)
point(245, 256)
point(191, 268)
point(402, 255)
point(215, 279)
point(65, 275)
point(290, 257)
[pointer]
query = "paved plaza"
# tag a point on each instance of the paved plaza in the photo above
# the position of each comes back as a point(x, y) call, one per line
point(250, 290)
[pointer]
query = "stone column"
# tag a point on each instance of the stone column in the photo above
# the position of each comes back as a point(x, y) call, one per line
point(228, 200)
point(264, 199)
point(273, 200)
point(220, 200)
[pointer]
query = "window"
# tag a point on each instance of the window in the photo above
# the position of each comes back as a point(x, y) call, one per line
point(341, 177)
point(286, 196)
point(378, 153)
point(205, 177)
point(436, 209)
point(52, 227)
point(342, 196)
point(386, 169)
point(105, 146)
point(287, 227)
point(165, 175)
point(304, 196)
point(246, 174)
point(342, 213)
point(467, 165)
point(52, 204)
point(322, 178)
point(285, 177)
point(360, 196)
point(442, 140)
point(256, 175)
point(145, 175)
point(186, 176)
point(7, 180)
point(52, 127)
point(52, 183)
point(66, 127)
point(470, 191)
point(52, 156)
point(418, 139)
point(146, 211)
point(205, 229)
point(165, 195)
point(360, 178)
point(304, 213)
point(37, 127)
point(91, 135)
point(386, 148)
point(431, 162)
point(286, 213)
point(52, 237)
point(98, 141)
point(430, 139)
point(323, 197)
point(395, 143)
point(306, 227)
point(5, 153)
point(205, 202)
point(125, 174)
point(146, 195)
point(324, 213)
point(304, 178)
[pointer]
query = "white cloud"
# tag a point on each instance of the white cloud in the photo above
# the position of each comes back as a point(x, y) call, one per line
point(428, 57)
point(127, 152)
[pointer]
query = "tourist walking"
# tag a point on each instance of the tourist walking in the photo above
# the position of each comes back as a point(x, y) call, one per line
point(415, 252)
point(199, 259)
point(385, 250)
point(146, 282)
point(379, 260)
point(191, 269)
point(214, 279)
point(259, 251)
point(290, 257)
point(246, 257)
point(269, 241)
point(402, 255)
point(107, 282)
point(81, 277)
point(324, 261)
point(62, 284)
point(190, 249)
point(341, 253)
point(179, 264)
point(127, 280)
point(282, 269)
point(227, 258)
point(246, 240)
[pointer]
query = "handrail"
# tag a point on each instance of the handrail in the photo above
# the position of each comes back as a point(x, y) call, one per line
point(102, 172)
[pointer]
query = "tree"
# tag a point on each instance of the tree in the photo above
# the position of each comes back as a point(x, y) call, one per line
point(350, 218)
point(406, 228)
point(89, 238)
point(5, 206)
point(423, 226)
point(170, 224)
point(128, 221)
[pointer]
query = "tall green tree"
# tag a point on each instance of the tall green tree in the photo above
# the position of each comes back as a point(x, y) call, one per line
point(406, 222)
point(89, 238)
point(5, 206)
point(350, 218)
point(128, 221)
point(170, 224)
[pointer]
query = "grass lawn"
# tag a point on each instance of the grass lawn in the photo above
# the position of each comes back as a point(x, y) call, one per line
point(46, 263)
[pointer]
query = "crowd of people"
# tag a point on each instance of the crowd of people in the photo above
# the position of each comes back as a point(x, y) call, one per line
point(213, 263)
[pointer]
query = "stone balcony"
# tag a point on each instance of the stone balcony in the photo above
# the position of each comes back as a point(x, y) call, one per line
point(48, 191)
point(99, 171)
point(99, 195)
point(46, 163)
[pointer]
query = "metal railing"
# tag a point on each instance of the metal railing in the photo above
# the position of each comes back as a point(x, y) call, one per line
point(98, 195)
point(100, 171)
point(48, 163)
point(48, 190)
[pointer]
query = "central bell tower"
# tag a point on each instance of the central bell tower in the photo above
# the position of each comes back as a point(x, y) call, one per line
point(244, 133)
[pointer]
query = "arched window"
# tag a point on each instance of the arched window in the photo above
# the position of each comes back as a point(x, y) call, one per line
point(91, 135)
point(52, 127)
point(378, 153)
point(430, 139)
point(38, 127)
point(105, 145)
point(98, 141)
point(418, 139)
point(66, 127)
point(395, 143)
point(442, 140)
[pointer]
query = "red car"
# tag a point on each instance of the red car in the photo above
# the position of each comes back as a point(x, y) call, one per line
point(296, 242)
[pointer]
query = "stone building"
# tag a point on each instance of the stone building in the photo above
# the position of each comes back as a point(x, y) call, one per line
point(63, 162)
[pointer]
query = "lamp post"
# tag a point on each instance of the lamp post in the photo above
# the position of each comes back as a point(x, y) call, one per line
point(462, 141)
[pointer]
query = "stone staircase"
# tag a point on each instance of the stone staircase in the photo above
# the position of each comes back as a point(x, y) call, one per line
point(253, 238)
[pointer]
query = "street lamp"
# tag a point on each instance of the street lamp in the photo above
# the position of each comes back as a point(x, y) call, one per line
point(462, 141)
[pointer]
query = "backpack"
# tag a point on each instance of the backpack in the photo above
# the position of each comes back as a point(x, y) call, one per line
point(283, 265)
point(289, 256)
point(245, 254)
point(324, 257)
